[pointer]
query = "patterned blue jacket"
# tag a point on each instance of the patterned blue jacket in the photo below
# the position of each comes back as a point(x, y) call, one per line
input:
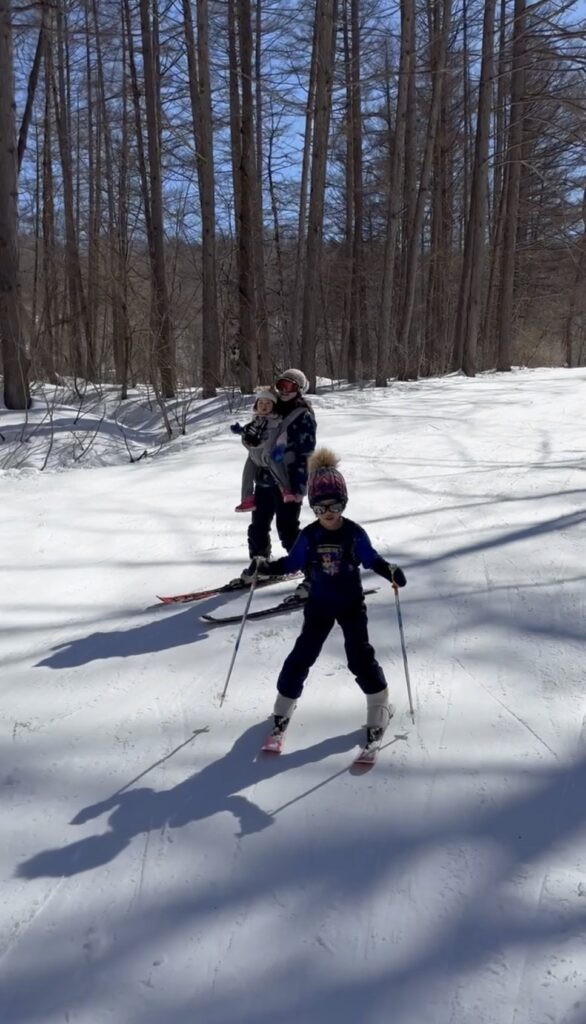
point(333, 559)
point(299, 430)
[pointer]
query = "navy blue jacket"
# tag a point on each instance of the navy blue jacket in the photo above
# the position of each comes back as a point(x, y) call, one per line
point(332, 558)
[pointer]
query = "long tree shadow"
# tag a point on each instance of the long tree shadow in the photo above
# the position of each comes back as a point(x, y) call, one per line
point(161, 634)
point(213, 790)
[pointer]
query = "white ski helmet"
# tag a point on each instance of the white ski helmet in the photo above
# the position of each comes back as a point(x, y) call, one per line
point(295, 377)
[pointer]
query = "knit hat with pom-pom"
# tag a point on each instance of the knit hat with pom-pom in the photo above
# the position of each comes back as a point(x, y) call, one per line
point(325, 480)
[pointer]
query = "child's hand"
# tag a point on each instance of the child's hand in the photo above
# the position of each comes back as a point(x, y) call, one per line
point(235, 428)
point(251, 434)
point(398, 576)
point(263, 566)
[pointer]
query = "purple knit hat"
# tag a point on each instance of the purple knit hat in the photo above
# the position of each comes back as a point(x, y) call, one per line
point(325, 481)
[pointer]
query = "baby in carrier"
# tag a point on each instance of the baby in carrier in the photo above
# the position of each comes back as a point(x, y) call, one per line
point(260, 437)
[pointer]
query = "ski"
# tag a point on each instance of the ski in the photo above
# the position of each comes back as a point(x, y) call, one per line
point(366, 758)
point(234, 585)
point(290, 604)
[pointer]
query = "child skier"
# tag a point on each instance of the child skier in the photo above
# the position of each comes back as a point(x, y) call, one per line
point(260, 437)
point(332, 550)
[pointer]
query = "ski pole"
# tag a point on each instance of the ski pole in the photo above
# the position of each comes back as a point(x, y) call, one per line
point(404, 649)
point(240, 632)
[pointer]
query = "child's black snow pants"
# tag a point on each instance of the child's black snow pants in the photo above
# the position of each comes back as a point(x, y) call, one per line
point(318, 621)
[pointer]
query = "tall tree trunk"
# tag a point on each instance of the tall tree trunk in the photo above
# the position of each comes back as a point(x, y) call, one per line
point(511, 208)
point(409, 361)
point(83, 364)
point(14, 358)
point(32, 85)
point(201, 107)
point(262, 314)
point(300, 251)
point(348, 337)
point(162, 328)
point(470, 296)
point(47, 337)
point(116, 280)
point(359, 336)
point(574, 356)
point(241, 118)
point(394, 194)
point(325, 36)
point(436, 334)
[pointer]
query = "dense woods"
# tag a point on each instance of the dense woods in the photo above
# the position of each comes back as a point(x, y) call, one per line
point(193, 192)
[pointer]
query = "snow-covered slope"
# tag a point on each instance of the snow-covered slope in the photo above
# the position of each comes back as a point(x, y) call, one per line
point(155, 870)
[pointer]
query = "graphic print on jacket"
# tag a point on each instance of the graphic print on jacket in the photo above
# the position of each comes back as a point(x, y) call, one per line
point(332, 559)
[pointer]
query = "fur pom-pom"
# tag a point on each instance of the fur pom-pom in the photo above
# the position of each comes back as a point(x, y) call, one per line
point(322, 458)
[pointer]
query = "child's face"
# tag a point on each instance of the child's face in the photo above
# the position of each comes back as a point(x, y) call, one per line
point(329, 514)
point(264, 406)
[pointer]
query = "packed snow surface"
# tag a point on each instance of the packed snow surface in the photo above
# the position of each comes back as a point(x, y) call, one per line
point(156, 869)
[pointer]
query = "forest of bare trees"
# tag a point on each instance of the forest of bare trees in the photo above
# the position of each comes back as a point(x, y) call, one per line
point(196, 192)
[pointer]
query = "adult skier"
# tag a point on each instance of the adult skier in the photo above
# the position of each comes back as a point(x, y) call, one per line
point(297, 441)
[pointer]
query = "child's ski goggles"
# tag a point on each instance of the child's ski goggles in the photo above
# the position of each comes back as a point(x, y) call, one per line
point(334, 506)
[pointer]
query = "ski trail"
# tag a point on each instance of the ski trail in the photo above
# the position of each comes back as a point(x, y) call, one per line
point(506, 707)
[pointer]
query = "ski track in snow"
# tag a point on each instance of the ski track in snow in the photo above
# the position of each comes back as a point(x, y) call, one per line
point(155, 868)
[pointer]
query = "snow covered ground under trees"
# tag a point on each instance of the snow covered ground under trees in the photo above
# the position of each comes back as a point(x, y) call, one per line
point(154, 869)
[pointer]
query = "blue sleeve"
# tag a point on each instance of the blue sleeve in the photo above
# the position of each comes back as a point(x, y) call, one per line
point(296, 558)
point(365, 552)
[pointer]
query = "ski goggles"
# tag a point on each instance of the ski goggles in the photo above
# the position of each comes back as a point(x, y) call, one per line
point(333, 506)
point(288, 387)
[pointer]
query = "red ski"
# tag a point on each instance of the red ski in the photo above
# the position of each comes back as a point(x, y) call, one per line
point(234, 585)
point(273, 743)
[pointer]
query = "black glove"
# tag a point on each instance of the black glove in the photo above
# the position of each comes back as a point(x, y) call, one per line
point(264, 566)
point(392, 573)
point(251, 434)
point(235, 428)
point(399, 578)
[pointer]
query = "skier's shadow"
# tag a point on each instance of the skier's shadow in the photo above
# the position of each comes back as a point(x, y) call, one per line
point(212, 790)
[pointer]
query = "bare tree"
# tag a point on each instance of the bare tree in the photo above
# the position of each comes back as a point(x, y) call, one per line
point(471, 281)
point(201, 106)
point(162, 326)
point(14, 358)
point(394, 198)
point(510, 209)
point(325, 14)
point(242, 139)
point(442, 24)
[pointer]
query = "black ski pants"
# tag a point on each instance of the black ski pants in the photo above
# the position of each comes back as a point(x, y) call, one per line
point(318, 620)
point(269, 504)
